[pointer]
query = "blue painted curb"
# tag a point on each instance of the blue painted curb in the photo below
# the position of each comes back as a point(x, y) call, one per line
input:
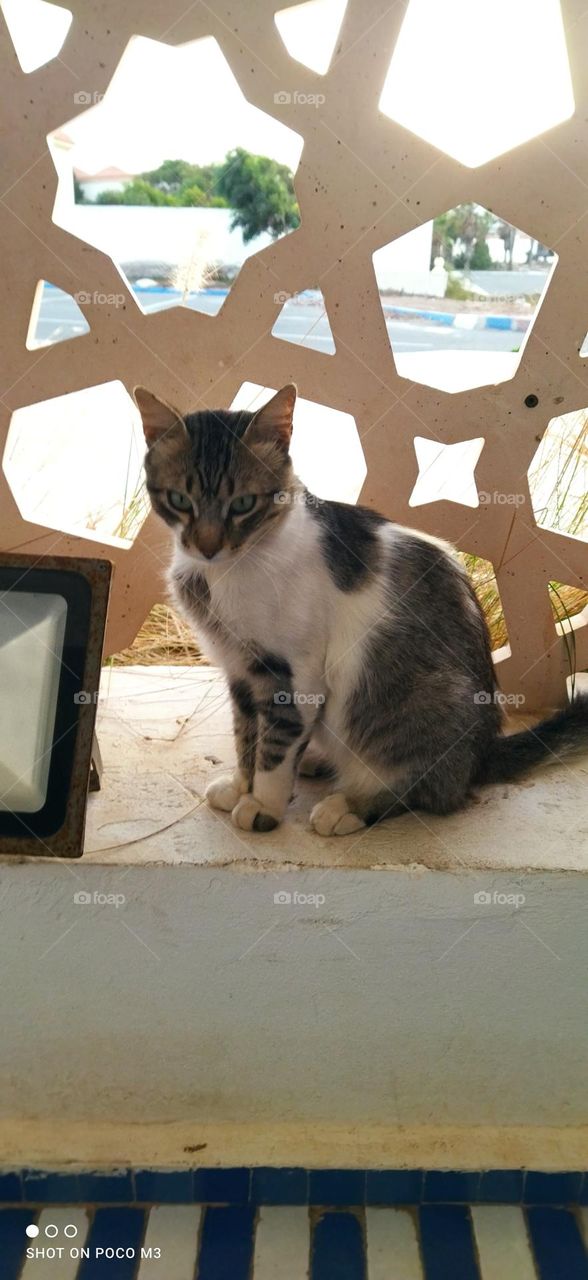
point(450, 318)
point(155, 288)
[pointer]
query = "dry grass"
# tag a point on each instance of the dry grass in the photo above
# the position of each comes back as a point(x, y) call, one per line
point(164, 640)
point(565, 601)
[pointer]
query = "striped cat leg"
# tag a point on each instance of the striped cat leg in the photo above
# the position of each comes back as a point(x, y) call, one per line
point(224, 792)
point(287, 707)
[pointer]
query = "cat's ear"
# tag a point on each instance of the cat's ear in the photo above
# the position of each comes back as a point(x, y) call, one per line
point(158, 417)
point(273, 422)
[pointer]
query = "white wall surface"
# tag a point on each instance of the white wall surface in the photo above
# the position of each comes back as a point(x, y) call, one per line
point(399, 1003)
point(128, 232)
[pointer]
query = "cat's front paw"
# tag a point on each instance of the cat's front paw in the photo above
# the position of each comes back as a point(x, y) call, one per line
point(224, 792)
point(250, 814)
point(333, 817)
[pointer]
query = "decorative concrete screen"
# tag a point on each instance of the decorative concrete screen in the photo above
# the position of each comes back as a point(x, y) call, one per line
point(374, 111)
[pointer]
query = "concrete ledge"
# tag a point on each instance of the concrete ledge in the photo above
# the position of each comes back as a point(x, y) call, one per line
point(165, 732)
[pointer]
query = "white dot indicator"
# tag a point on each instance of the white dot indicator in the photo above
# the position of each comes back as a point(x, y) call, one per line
point(32, 1230)
point(70, 1230)
point(51, 1229)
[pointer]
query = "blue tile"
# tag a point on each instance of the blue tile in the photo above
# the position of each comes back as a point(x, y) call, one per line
point(501, 1186)
point(557, 1245)
point(51, 1188)
point(10, 1187)
point(337, 1249)
point(447, 1242)
point(394, 1186)
point(450, 1187)
point(552, 1188)
point(336, 1186)
point(13, 1241)
point(106, 1188)
point(584, 1190)
point(113, 1229)
point(226, 1243)
point(164, 1186)
point(279, 1186)
point(222, 1186)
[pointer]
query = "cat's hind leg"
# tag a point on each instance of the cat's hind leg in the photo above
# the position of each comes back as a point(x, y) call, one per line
point(315, 761)
point(364, 798)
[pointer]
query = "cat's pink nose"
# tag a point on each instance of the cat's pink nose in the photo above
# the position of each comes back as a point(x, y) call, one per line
point(210, 538)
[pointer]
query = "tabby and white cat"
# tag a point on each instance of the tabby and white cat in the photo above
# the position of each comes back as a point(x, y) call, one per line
point(332, 624)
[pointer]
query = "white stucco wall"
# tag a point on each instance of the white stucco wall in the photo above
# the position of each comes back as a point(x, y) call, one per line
point(398, 1006)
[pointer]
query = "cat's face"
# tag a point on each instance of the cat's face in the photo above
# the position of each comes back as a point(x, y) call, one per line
point(220, 479)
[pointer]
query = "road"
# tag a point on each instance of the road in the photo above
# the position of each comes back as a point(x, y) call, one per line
point(303, 323)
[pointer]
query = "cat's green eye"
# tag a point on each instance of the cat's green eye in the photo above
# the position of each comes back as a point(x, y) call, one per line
point(179, 501)
point(244, 503)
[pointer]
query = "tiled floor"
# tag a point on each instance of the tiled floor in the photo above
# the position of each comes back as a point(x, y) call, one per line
point(240, 1242)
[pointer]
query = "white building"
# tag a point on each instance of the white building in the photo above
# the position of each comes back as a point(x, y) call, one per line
point(93, 184)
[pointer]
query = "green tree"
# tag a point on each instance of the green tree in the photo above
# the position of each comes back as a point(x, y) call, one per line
point(138, 192)
point(193, 184)
point(173, 174)
point(196, 196)
point(260, 192)
point(480, 258)
point(468, 224)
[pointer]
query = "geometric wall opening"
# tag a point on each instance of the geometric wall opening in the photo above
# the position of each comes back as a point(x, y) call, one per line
point(303, 320)
point(326, 450)
point(37, 30)
point(558, 476)
point(460, 295)
point(310, 31)
point(179, 186)
point(74, 464)
point(446, 472)
point(55, 317)
point(476, 81)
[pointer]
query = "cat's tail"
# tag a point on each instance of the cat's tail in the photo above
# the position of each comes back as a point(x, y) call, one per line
point(561, 736)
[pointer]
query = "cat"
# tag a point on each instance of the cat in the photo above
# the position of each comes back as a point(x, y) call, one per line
point(332, 624)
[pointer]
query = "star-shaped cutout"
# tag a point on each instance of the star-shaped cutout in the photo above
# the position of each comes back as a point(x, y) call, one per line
point(446, 472)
